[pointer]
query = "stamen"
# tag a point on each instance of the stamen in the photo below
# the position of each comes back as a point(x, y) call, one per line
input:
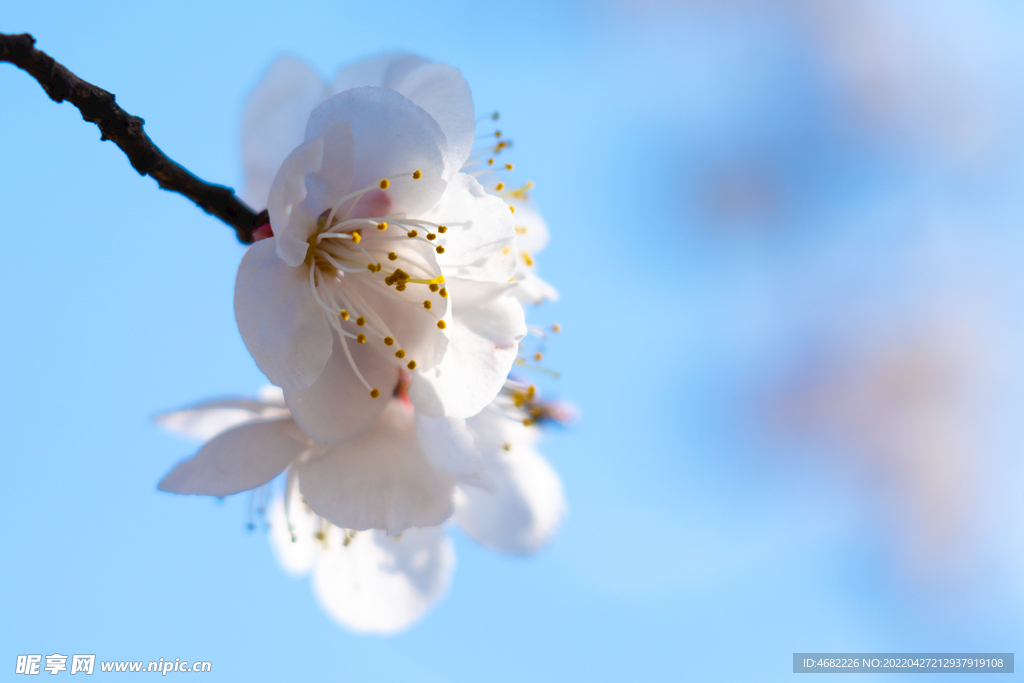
point(427, 304)
point(388, 341)
point(442, 229)
point(411, 365)
point(392, 256)
point(362, 339)
point(416, 175)
point(382, 226)
point(400, 353)
point(360, 321)
point(375, 393)
point(441, 324)
point(385, 184)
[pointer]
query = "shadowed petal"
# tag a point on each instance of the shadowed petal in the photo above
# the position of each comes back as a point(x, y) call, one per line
point(240, 459)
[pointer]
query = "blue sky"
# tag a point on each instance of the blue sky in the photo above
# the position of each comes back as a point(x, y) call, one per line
point(696, 548)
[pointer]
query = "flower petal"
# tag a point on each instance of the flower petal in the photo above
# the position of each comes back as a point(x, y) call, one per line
point(482, 346)
point(379, 584)
point(452, 448)
point(314, 177)
point(207, 420)
point(337, 406)
point(524, 504)
point(481, 239)
point(240, 459)
point(392, 136)
point(383, 71)
point(274, 121)
point(444, 94)
point(378, 480)
point(280, 322)
point(438, 88)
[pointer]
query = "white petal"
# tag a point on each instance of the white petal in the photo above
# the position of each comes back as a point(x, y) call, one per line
point(378, 480)
point(383, 71)
point(274, 121)
point(206, 420)
point(530, 289)
point(525, 503)
point(380, 584)
point(315, 176)
point(444, 94)
point(438, 88)
point(240, 459)
point(481, 239)
point(337, 406)
point(482, 346)
point(297, 548)
point(280, 322)
point(452, 448)
point(392, 136)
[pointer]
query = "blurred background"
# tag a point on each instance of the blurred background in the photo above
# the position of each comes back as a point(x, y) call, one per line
point(787, 237)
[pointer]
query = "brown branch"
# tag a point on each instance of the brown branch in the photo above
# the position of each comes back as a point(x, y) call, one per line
point(115, 124)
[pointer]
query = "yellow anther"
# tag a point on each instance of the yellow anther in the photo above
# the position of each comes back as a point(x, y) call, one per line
point(441, 325)
point(320, 535)
point(527, 422)
point(494, 116)
point(511, 208)
point(356, 237)
point(431, 236)
point(412, 233)
point(382, 226)
point(506, 250)
point(521, 229)
point(379, 267)
point(416, 175)
point(538, 356)
point(443, 293)
point(507, 446)
point(372, 268)
point(400, 286)
point(530, 391)
point(343, 314)
point(392, 256)
point(556, 328)
point(519, 399)
point(361, 339)
point(427, 304)
point(433, 287)
point(521, 192)
point(509, 167)
point(374, 393)
point(497, 133)
point(499, 187)
point(385, 184)
point(388, 341)
point(399, 353)
point(442, 229)
point(439, 249)
point(490, 162)
point(411, 365)
point(360, 321)
point(526, 258)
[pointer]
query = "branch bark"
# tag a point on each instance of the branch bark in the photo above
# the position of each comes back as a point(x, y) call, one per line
point(125, 131)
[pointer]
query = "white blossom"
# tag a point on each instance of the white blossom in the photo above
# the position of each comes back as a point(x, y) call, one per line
point(374, 237)
point(381, 578)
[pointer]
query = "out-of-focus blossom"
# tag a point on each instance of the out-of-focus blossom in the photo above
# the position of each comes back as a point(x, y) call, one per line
point(375, 180)
point(508, 498)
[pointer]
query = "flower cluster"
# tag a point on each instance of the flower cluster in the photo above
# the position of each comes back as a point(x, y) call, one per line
point(384, 300)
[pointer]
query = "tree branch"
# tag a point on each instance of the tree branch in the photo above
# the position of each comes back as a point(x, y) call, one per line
point(115, 124)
